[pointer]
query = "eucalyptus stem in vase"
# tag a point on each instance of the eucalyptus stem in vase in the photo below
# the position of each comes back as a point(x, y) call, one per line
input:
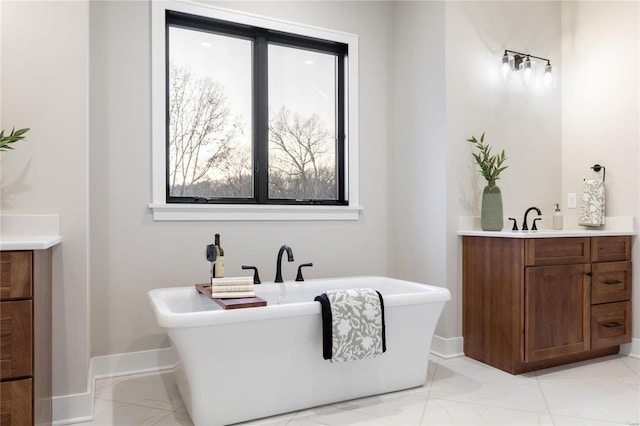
point(491, 166)
point(13, 137)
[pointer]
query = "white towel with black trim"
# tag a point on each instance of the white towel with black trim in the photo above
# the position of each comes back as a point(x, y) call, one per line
point(592, 204)
point(352, 324)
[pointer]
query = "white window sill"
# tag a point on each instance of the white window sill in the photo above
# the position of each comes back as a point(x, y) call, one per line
point(211, 212)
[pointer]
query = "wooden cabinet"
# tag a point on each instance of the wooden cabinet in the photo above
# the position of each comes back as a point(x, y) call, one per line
point(610, 324)
point(557, 251)
point(611, 282)
point(25, 337)
point(557, 315)
point(535, 303)
point(16, 402)
point(16, 339)
point(16, 278)
point(610, 292)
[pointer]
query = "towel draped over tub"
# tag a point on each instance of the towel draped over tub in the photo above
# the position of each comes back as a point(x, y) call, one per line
point(352, 324)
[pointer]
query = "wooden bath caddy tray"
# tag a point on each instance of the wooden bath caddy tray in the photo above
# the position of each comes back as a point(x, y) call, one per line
point(247, 302)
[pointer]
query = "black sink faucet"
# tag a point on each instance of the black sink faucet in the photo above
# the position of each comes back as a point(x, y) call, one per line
point(524, 222)
point(279, 262)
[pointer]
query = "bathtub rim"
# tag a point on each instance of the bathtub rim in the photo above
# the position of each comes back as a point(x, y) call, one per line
point(167, 318)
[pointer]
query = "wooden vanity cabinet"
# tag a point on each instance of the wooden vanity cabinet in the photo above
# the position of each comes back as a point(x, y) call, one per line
point(535, 303)
point(25, 337)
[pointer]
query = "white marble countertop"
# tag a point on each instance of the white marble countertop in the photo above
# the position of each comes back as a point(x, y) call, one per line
point(614, 226)
point(545, 233)
point(36, 242)
point(29, 231)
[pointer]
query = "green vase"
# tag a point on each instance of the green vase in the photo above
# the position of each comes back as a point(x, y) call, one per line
point(491, 218)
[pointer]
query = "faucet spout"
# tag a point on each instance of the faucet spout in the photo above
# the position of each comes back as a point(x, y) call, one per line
point(524, 222)
point(279, 261)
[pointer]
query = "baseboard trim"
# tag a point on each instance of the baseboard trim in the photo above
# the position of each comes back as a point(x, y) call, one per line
point(631, 349)
point(447, 347)
point(453, 347)
point(75, 408)
point(78, 408)
point(133, 363)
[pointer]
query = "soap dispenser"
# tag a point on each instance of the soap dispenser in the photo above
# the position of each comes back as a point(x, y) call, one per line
point(557, 219)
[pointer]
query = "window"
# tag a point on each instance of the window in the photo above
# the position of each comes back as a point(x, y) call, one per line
point(209, 125)
point(255, 117)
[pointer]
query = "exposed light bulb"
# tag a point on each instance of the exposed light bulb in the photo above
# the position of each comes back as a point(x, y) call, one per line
point(528, 72)
point(548, 77)
point(505, 69)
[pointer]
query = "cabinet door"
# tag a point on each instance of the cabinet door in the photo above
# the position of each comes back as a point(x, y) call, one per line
point(611, 282)
point(610, 324)
point(557, 251)
point(15, 403)
point(15, 274)
point(610, 249)
point(557, 311)
point(16, 339)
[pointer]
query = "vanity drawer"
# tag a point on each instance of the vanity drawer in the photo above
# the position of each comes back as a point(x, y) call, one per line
point(557, 251)
point(15, 274)
point(611, 282)
point(610, 249)
point(16, 339)
point(610, 324)
point(15, 402)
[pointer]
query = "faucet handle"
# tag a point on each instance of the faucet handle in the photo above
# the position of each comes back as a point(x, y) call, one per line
point(256, 277)
point(299, 276)
point(534, 227)
point(515, 224)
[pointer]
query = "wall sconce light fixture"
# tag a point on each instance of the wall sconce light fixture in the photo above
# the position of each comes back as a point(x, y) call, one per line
point(513, 62)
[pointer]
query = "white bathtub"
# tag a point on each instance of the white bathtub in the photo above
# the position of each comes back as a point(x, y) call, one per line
point(244, 364)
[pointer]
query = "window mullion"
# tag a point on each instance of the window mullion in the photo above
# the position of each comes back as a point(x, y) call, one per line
point(340, 127)
point(167, 101)
point(261, 118)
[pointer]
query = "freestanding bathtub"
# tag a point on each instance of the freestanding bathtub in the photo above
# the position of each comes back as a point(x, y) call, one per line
point(244, 364)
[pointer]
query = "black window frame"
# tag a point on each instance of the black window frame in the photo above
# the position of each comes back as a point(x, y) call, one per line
point(262, 38)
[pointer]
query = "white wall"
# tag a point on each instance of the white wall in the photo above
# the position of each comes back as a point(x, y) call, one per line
point(525, 124)
point(600, 111)
point(417, 146)
point(131, 254)
point(45, 87)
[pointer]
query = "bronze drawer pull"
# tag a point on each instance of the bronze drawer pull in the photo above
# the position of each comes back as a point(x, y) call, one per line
point(613, 282)
point(613, 324)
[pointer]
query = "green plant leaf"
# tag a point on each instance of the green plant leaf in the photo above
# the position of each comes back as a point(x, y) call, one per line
point(490, 165)
point(14, 136)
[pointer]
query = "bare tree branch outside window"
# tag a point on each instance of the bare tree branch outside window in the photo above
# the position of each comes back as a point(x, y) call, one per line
point(206, 160)
point(201, 131)
point(301, 157)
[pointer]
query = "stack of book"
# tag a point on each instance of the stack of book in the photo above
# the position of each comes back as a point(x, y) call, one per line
point(232, 288)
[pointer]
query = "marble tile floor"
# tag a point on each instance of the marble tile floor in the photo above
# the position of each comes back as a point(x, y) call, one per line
point(458, 391)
